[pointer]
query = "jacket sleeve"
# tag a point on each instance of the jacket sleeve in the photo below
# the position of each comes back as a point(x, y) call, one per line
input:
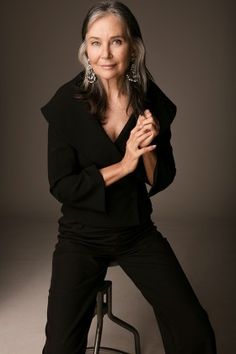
point(164, 110)
point(164, 171)
point(69, 183)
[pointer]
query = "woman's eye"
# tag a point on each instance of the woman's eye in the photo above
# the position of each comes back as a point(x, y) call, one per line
point(95, 43)
point(117, 41)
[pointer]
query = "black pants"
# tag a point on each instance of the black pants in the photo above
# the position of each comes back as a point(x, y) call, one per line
point(79, 265)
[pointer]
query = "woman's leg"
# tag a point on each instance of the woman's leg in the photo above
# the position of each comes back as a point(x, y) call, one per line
point(76, 275)
point(183, 323)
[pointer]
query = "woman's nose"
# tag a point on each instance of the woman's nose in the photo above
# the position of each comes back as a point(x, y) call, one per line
point(106, 51)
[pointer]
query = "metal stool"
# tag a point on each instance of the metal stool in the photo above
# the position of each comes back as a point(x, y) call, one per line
point(103, 307)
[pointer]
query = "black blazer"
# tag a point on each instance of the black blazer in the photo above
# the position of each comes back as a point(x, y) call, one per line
point(78, 147)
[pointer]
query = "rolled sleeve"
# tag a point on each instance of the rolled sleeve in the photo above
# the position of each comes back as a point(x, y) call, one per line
point(165, 170)
point(69, 183)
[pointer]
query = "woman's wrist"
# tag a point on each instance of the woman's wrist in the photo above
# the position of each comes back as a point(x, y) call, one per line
point(125, 167)
point(114, 172)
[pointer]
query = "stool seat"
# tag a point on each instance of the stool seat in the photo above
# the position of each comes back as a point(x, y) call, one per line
point(104, 307)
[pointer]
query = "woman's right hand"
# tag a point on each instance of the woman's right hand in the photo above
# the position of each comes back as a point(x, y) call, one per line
point(129, 162)
point(133, 151)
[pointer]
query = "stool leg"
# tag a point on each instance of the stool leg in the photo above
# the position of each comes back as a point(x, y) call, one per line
point(98, 336)
point(122, 323)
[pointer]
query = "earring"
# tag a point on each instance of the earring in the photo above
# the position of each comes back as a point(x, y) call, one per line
point(90, 74)
point(132, 74)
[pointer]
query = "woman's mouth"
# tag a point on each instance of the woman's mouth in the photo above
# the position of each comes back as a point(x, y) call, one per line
point(108, 66)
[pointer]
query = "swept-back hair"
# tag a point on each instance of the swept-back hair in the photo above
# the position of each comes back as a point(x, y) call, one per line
point(94, 93)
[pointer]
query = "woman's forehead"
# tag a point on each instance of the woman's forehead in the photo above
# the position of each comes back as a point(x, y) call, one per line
point(104, 23)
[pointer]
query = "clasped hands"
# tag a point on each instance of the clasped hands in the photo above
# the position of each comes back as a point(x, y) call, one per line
point(141, 136)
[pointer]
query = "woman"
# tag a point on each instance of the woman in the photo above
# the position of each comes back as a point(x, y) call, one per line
point(109, 135)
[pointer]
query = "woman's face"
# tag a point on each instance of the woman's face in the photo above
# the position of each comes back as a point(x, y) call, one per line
point(108, 47)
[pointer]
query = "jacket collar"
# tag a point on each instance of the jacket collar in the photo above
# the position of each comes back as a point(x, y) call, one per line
point(71, 117)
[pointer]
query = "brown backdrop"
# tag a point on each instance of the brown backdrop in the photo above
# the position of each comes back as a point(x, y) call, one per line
point(190, 54)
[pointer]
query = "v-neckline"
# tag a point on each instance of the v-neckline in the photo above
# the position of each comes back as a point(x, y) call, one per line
point(121, 132)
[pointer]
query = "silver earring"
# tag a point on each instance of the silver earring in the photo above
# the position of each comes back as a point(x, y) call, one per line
point(132, 74)
point(90, 74)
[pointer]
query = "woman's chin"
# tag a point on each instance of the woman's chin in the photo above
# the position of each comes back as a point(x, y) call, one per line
point(109, 75)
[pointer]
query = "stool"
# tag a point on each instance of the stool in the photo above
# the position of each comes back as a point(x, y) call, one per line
point(103, 307)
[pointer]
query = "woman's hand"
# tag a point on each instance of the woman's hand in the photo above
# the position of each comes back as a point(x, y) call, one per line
point(147, 123)
point(140, 138)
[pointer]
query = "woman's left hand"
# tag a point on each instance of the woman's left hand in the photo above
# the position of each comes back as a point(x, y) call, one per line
point(147, 122)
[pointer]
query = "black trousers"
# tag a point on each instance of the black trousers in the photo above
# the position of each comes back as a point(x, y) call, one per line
point(79, 265)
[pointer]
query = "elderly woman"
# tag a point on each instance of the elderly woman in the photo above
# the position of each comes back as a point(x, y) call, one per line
point(108, 136)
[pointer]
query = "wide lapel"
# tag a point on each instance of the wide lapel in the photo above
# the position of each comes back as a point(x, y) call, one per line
point(160, 105)
point(87, 135)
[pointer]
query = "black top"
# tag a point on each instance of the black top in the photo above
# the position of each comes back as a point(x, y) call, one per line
point(78, 147)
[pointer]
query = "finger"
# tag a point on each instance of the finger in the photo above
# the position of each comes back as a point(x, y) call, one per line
point(143, 127)
point(147, 149)
point(147, 128)
point(144, 136)
point(147, 141)
point(135, 129)
point(140, 120)
point(136, 139)
point(144, 124)
point(152, 125)
point(136, 133)
point(147, 113)
point(142, 132)
point(141, 117)
point(150, 119)
point(146, 121)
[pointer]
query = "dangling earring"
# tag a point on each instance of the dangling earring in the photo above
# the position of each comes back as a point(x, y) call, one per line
point(132, 74)
point(90, 74)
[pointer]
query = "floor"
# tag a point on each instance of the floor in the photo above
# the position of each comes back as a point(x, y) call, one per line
point(205, 248)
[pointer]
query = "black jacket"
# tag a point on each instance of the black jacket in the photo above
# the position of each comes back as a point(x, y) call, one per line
point(78, 147)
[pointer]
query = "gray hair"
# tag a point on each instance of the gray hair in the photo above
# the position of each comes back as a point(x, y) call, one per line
point(116, 8)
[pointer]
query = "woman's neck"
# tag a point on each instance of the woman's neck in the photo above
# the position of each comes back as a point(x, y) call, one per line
point(113, 89)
